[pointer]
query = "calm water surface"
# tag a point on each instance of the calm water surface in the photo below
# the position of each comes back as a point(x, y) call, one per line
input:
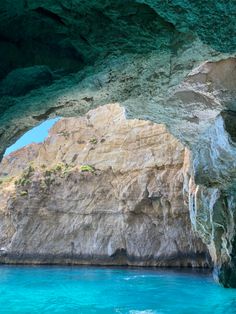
point(90, 290)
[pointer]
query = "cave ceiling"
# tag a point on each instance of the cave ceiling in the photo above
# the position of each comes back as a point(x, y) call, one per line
point(75, 55)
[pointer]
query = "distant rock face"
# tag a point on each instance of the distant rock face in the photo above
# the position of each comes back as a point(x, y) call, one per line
point(100, 190)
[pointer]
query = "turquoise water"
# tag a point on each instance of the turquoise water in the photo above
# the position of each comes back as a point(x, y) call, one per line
point(90, 290)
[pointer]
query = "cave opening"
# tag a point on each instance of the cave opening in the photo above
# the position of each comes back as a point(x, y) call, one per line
point(114, 177)
point(103, 190)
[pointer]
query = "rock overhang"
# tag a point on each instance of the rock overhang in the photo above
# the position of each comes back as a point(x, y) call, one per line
point(164, 40)
point(140, 54)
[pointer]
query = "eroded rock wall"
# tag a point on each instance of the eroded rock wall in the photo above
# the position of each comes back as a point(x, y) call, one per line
point(210, 185)
point(100, 190)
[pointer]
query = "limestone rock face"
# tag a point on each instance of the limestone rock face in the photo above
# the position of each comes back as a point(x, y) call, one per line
point(212, 196)
point(169, 62)
point(100, 190)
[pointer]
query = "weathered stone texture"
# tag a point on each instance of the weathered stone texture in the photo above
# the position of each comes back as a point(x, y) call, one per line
point(128, 208)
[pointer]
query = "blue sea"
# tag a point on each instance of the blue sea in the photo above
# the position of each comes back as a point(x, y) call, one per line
point(105, 290)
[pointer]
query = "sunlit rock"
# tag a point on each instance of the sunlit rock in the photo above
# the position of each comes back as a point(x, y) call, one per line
point(100, 190)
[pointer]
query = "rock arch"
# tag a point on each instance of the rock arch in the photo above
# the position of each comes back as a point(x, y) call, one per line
point(177, 68)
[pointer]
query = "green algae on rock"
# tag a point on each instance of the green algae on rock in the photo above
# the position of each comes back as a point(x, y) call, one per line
point(114, 203)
